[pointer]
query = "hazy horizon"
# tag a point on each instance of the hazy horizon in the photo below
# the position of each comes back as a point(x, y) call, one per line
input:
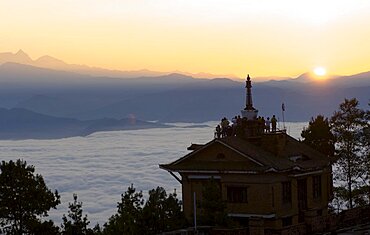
point(47, 61)
point(263, 38)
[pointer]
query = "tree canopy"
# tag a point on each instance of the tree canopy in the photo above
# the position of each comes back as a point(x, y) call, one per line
point(158, 214)
point(214, 208)
point(24, 196)
point(162, 212)
point(318, 135)
point(347, 125)
point(75, 223)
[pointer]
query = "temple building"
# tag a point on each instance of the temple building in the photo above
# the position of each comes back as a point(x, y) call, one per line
point(271, 182)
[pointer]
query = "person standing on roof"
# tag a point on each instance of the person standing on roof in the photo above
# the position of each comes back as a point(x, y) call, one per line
point(267, 124)
point(218, 132)
point(273, 123)
point(234, 124)
point(224, 125)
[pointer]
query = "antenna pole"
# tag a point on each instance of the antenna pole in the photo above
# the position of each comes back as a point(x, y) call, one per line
point(283, 112)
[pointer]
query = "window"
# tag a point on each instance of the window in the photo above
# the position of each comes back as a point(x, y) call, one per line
point(237, 194)
point(316, 186)
point(330, 185)
point(287, 221)
point(287, 192)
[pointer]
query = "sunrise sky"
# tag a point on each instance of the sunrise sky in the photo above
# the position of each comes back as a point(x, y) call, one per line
point(263, 38)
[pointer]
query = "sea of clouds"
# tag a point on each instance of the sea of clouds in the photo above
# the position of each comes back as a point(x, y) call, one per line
point(101, 166)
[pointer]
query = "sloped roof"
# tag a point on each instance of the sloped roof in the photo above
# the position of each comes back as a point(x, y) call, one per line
point(293, 155)
point(315, 159)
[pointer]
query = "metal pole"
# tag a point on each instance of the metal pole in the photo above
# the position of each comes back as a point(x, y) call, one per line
point(283, 111)
point(195, 211)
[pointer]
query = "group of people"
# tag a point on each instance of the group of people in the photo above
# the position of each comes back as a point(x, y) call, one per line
point(225, 128)
point(267, 123)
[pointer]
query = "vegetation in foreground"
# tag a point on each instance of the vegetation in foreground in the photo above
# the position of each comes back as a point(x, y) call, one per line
point(346, 139)
point(25, 201)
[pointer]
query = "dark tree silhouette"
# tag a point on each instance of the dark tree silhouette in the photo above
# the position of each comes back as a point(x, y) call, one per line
point(319, 136)
point(214, 208)
point(365, 160)
point(24, 196)
point(162, 213)
point(75, 224)
point(347, 125)
point(128, 219)
point(175, 215)
point(36, 227)
point(154, 211)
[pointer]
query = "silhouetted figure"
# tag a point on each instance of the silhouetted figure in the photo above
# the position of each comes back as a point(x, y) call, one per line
point(229, 131)
point(218, 131)
point(261, 125)
point(267, 124)
point(234, 124)
point(273, 123)
point(224, 125)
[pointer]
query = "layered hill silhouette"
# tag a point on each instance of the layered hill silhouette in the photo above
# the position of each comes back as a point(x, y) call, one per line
point(24, 124)
point(50, 62)
point(166, 98)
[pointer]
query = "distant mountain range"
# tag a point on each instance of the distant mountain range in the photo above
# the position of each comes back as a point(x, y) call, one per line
point(49, 62)
point(175, 97)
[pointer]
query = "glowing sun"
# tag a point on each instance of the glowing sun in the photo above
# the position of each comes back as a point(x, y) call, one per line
point(319, 71)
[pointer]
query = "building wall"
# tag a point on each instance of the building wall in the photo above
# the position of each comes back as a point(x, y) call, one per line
point(264, 194)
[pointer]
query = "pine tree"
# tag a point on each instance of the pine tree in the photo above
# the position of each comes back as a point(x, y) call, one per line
point(347, 124)
point(129, 217)
point(75, 224)
point(161, 212)
point(214, 208)
point(175, 215)
point(319, 136)
point(154, 214)
point(37, 227)
point(365, 160)
point(24, 196)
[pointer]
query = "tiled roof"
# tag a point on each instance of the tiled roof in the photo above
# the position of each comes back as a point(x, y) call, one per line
point(290, 155)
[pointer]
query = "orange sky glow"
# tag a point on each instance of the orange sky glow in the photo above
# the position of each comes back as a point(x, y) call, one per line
point(263, 38)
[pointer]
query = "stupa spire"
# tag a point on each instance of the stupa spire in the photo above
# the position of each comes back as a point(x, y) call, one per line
point(249, 111)
point(248, 100)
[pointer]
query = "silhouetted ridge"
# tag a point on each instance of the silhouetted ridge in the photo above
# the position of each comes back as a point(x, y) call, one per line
point(20, 123)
